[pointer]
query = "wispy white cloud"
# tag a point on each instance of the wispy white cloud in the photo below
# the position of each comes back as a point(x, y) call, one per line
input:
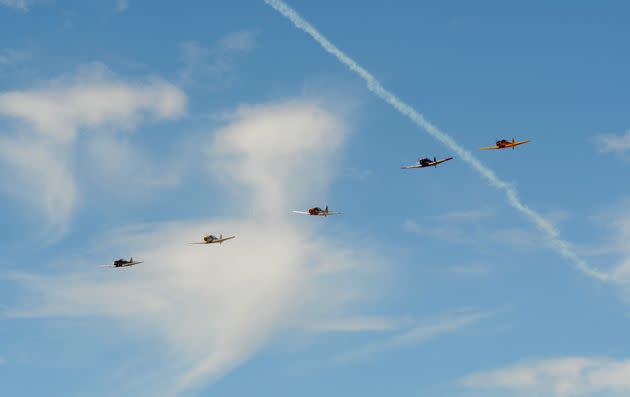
point(557, 377)
point(411, 226)
point(621, 244)
point(116, 164)
point(611, 143)
point(38, 174)
point(614, 244)
point(243, 40)
point(46, 120)
point(20, 5)
point(418, 334)
point(91, 98)
point(196, 61)
point(465, 215)
point(452, 233)
point(212, 308)
point(277, 184)
point(475, 269)
point(357, 173)
point(466, 232)
point(215, 63)
point(122, 5)
point(11, 56)
point(458, 227)
point(358, 324)
point(517, 239)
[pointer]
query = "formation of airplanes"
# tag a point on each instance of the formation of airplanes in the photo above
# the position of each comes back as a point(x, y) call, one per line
point(317, 211)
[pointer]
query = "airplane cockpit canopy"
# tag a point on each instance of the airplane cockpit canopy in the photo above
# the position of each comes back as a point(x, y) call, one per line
point(317, 209)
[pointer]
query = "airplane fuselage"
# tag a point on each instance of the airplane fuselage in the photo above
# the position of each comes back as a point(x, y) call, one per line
point(317, 211)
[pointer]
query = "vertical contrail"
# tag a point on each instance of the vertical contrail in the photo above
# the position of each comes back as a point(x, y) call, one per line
point(550, 232)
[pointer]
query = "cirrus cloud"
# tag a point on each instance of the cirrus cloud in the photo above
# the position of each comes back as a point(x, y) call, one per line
point(91, 98)
point(20, 5)
point(44, 123)
point(611, 143)
point(214, 307)
point(558, 377)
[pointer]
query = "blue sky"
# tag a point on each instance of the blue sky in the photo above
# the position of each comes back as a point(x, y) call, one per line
point(129, 128)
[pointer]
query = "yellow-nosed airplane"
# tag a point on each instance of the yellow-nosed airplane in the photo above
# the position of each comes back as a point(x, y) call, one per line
point(505, 144)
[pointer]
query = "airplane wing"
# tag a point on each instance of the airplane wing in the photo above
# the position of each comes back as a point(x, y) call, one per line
point(224, 239)
point(489, 148)
point(125, 265)
point(406, 167)
point(131, 264)
point(320, 214)
point(441, 161)
point(518, 143)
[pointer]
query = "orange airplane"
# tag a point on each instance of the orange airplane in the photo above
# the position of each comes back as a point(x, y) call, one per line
point(505, 144)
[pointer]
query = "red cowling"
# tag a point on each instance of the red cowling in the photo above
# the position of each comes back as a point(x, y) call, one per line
point(312, 211)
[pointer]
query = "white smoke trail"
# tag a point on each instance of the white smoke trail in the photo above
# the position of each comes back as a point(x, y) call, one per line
point(550, 232)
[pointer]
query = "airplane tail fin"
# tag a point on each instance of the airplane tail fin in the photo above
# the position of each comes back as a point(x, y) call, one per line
point(513, 140)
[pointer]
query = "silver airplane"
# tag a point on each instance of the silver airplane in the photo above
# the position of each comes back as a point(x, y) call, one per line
point(210, 239)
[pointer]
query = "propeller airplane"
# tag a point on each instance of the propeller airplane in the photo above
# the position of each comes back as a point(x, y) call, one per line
point(426, 162)
point(210, 239)
point(316, 211)
point(505, 144)
point(122, 263)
